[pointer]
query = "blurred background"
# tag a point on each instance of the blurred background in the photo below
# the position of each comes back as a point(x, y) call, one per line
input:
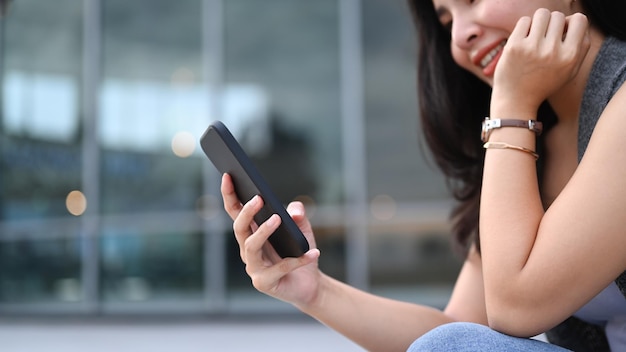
point(108, 207)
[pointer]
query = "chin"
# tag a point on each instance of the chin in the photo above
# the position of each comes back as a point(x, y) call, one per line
point(488, 80)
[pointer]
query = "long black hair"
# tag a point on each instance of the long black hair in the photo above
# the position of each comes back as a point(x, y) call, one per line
point(453, 102)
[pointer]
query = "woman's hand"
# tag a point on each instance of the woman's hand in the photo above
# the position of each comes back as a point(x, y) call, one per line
point(542, 54)
point(294, 280)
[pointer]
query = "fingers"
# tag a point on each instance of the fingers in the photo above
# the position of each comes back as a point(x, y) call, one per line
point(540, 24)
point(297, 212)
point(264, 266)
point(265, 279)
point(521, 30)
point(551, 35)
point(245, 217)
point(551, 25)
point(543, 24)
point(543, 53)
point(256, 250)
point(232, 205)
point(555, 31)
point(242, 215)
point(243, 224)
point(252, 246)
point(577, 29)
point(577, 38)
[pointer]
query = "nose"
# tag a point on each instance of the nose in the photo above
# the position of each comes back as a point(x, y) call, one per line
point(465, 31)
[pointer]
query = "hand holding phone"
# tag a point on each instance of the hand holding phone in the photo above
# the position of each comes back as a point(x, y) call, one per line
point(229, 157)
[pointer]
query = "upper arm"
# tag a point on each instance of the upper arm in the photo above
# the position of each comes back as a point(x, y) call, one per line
point(583, 233)
point(580, 243)
point(467, 302)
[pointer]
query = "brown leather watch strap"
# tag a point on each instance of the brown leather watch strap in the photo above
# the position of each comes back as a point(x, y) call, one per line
point(491, 124)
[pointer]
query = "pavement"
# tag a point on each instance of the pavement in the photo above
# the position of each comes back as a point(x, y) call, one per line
point(124, 331)
point(165, 334)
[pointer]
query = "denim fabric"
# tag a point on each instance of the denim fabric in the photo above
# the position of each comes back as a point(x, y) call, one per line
point(470, 337)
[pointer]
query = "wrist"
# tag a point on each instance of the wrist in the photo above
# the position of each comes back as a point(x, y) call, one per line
point(501, 107)
point(512, 112)
point(316, 301)
point(523, 138)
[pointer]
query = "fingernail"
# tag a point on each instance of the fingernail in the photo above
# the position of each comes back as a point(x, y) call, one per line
point(273, 220)
point(313, 253)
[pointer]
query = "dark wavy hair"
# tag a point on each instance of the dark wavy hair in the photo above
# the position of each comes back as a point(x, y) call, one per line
point(453, 102)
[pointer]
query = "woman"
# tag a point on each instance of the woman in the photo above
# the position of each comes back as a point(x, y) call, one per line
point(550, 252)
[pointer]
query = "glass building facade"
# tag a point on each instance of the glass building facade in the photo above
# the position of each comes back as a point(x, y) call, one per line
point(107, 203)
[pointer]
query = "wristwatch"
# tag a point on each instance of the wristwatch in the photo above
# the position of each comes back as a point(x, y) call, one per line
point(491, 124)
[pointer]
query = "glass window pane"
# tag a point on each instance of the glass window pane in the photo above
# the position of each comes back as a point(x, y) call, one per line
point(153, 108)
point(40, 152)
point(140, 266)
point(410, 255)
point(280, 96)
point(40, 93)
point(282, 57)
point(41, 270)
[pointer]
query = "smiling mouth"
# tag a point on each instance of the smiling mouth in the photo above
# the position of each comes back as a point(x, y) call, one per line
point(492, 54)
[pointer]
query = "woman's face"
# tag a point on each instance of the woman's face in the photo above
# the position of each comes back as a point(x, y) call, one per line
point(479, 28)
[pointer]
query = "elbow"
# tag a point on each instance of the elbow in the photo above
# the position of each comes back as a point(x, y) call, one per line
point(513, 328)
point(518, 319)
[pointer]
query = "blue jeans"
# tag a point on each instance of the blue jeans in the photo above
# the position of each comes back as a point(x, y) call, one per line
point(470, 337)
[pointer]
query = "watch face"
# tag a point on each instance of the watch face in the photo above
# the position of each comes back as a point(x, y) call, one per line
point(485, 130)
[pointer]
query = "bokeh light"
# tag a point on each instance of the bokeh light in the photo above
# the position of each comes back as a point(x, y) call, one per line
point(183, 144)
point(182, 77)
point(76, 203)
point(383, 207)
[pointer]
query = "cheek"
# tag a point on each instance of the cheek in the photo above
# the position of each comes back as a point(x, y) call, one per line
point(461, 58)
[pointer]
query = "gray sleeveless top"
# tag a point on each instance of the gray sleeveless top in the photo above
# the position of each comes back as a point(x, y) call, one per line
point(607, 76)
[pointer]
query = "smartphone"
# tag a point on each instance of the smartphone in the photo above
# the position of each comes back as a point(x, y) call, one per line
point(228, 156)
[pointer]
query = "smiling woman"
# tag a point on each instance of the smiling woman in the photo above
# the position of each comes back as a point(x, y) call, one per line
point(518, 60)
point(474, 31)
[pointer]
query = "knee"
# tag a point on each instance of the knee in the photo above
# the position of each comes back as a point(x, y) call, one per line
point(449, 337)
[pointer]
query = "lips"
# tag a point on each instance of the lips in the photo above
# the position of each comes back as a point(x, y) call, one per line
point(487, 58)
point(491, 54)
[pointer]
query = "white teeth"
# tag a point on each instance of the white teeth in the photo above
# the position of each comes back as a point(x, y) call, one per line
point(487, 59)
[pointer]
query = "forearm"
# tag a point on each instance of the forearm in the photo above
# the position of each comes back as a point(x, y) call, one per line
point(511, 207)
point(539, 63)
point(510, 214)
point(375, 323)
